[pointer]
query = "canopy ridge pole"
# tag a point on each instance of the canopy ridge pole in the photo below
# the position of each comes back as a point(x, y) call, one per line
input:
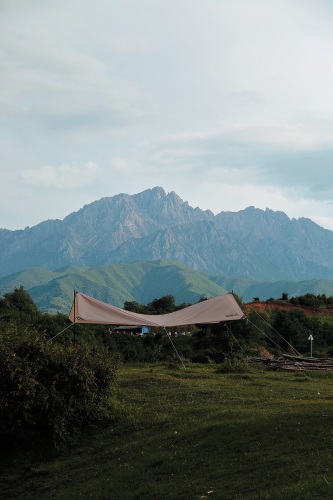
point(173, 345)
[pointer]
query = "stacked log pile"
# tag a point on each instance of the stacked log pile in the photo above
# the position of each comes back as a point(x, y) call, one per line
point(296, 363)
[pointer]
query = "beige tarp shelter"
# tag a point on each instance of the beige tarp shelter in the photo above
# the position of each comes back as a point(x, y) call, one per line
point(85, 309)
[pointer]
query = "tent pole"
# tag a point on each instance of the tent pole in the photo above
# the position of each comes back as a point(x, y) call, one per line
point(74, 318)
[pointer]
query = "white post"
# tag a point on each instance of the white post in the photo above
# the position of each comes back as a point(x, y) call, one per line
point(311, 340)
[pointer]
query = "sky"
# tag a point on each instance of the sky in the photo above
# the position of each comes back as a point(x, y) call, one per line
point(229, 103)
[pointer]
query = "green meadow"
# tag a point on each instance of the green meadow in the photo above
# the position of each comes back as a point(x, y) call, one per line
point(193, 433)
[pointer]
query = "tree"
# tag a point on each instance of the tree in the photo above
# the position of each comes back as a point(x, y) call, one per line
point(19, 307)
point(165, 304)
point(134, 306)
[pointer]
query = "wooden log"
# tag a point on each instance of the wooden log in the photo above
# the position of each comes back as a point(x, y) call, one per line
point(297, 363)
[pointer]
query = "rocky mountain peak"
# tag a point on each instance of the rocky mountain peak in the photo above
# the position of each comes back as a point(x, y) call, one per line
point(153, 224)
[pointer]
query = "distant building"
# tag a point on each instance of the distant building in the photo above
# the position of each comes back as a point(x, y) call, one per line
point(134, 330)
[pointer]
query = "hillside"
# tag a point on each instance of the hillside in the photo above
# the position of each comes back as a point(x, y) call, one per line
point(53, 291)
point(253, 244)
point(279, 305)
point(248, 289)
point(140, 282)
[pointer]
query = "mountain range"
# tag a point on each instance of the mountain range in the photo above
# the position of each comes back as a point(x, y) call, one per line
point(253, 246)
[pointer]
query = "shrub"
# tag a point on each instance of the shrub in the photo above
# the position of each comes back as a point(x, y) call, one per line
point(47, 390)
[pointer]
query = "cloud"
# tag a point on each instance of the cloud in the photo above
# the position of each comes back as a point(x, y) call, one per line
point(326, 222)
point(124, 165)
point(52, 82)
point(277, 158)
point(63, 177)
point(66, 91)
point(216, 100)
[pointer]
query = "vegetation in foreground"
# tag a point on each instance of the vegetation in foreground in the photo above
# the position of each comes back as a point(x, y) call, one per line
point(196, 433)
point(171, 429)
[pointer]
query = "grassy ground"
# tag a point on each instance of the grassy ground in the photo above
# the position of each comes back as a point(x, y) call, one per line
point(195, 433)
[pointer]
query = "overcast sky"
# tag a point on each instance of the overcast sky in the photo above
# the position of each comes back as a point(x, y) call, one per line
point(229, 103)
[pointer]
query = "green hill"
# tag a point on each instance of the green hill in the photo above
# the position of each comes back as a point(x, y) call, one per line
point(248, 289)
point(53, 291)
point(142, 282)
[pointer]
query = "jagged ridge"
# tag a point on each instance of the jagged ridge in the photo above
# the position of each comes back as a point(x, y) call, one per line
point(256, 244)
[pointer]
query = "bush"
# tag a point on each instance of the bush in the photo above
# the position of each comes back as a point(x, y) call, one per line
point(47, 390)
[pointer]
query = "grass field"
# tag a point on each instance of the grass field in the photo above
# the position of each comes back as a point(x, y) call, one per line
point(196, 433)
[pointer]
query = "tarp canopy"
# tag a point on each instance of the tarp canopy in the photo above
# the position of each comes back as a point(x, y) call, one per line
point(85, 309)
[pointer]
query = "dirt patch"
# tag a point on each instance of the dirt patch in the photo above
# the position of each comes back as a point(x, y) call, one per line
point(286, 306)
